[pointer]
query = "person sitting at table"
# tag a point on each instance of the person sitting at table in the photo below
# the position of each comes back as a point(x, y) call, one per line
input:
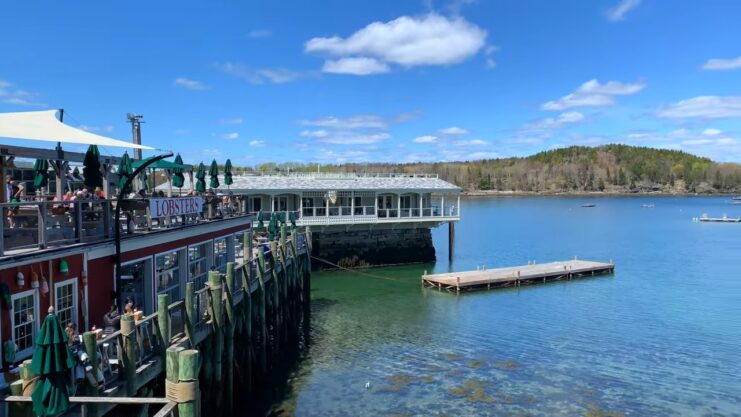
point(99, 193)
point(16, 189)
point(141, 194)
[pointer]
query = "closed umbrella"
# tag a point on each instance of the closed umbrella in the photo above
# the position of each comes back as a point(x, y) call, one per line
point(260, 223)
point(273, 227)
point(41, 166)
point(91, 169)
point(124, 172)
point(201, 176)
point(178, 180)
point(52, 362)
point(292, 217)
point(228, 173)
point(213, 172)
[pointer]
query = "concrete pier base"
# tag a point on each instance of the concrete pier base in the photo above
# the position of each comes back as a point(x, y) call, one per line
point(363, 248)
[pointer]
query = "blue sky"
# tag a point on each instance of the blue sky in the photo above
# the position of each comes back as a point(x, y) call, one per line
point(394, 81)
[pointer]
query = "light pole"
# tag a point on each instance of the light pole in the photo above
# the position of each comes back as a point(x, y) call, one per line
point(117, 216)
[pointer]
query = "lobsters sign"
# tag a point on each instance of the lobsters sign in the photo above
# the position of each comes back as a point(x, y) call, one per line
point(175, 206)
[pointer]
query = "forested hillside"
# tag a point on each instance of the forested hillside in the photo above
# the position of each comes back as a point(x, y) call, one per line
point(609, 168)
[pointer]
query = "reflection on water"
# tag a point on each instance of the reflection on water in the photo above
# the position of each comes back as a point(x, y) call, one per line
point(660, 337)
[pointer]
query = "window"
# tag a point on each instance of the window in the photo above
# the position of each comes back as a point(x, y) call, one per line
point(65, 301)
point(221, 254)
point(256, 204)
point(167, 274)
point(239, 245)
point(136, 278)
point(198, 264)
point(24, 322)
point(282, 203)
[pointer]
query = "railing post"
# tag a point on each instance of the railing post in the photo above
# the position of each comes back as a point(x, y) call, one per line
point(163, 321)
point(2, 230)
point(78, 221)
point(128, 332)
point(42, 225)
point(148, 214)
point(107, 218)
point(190, 314)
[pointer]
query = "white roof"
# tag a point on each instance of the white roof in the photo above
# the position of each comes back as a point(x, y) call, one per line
point(44, 125)
point(334, 182)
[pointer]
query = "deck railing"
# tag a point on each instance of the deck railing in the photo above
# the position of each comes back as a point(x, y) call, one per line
point(33, 225)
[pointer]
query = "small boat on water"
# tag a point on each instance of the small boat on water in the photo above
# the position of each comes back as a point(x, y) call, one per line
point(647, 206)
point(738, 197)
point(588, 205)
point(724, 219)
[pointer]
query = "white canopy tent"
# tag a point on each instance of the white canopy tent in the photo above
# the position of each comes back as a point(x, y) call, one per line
point(44, 125)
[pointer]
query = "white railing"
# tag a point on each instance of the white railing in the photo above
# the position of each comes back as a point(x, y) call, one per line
point(337, 175)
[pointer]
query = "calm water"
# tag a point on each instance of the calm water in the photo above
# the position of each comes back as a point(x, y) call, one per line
point(661, 337)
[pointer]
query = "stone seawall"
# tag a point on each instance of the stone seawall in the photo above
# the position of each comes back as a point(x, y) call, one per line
point(360, 248)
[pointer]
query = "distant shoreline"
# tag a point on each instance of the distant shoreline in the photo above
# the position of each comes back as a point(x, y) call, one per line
point(498, 193)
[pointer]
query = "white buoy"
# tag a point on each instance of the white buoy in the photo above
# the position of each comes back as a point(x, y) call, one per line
point(367, 385)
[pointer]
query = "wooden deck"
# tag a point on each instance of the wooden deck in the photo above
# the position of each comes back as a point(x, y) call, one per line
point(516, 275)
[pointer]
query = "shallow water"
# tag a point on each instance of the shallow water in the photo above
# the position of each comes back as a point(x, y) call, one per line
point(660, 337)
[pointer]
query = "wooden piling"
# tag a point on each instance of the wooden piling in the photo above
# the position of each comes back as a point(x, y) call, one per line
point(188, 373)
point(128, 333)
point(90, 342)
point(261, 316)
point(217, 321)
point(163, 321)
point(229, 336)
point(190, 314)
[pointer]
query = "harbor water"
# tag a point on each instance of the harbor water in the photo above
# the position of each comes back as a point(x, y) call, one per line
point(659, 337)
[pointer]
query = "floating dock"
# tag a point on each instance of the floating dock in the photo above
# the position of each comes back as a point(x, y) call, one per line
point(516, 275)
point(724, 219)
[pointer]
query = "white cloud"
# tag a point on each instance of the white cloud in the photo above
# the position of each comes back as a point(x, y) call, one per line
point(353, 122)
point(557, 122)
point(320, 133)
point(429, 39)
point(703, 107)
point(106, 129)
point(454, 131)
point(343, 156)
point(257, 143)
point(355, 66)
point(232, 121)
point(618, 12)
point(232, 135)
point(594, 94)
point(259, 76)
point(722, 64)
point(710, 142)
point(354, 138)
point(473, 142)
point(425, 139)
point(490, 63)
point(189, 84)
point(18, 97)
point(259, 33)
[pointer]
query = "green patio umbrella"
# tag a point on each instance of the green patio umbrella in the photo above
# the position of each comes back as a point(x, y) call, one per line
point(124, 172)
point(52, 362)
point(292, 217)
point(91, 169)
point(41, 166)
point(213, 172)
point(273, 227)
point(201, 176)
point(228, 173)
point(260, 223)
point(178, 180)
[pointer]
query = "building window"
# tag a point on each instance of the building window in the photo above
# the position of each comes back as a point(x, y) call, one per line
point(256, 204)
point(136, 278)
point(221, 254)
point(24, 324)
point(239, 246)
point(198, 264)
point(167, 274)
point(65, 301)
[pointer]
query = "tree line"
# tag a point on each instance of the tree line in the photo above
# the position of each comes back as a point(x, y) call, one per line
point(608, 168)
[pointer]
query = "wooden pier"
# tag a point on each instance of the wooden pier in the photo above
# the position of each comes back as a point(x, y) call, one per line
point(516, 275)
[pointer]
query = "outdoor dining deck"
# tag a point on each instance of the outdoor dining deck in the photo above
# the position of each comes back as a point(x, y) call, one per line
point(33, 225)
